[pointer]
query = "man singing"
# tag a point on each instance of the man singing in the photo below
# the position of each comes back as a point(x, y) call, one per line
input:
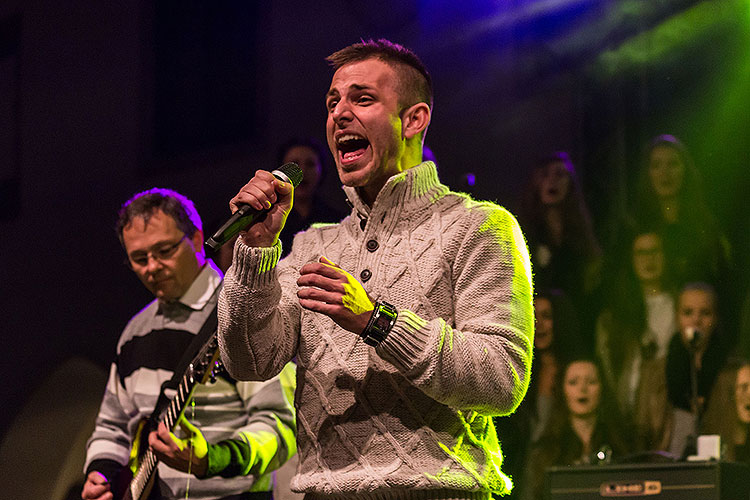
point(411, 320)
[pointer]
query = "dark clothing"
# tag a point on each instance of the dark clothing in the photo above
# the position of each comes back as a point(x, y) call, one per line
point(562, 446)
point(678, 370)
point(694, 254)
point(742, 452)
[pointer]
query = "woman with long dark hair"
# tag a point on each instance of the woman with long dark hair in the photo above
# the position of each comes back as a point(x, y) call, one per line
point(671, 200)
point(728, 413)
point(564, 250)
point(633, 333)
point(584, 427)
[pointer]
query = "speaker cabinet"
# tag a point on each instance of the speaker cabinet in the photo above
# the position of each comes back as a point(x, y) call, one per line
point(673, 481)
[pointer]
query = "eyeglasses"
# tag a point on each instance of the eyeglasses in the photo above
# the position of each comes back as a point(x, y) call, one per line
point(162, 253)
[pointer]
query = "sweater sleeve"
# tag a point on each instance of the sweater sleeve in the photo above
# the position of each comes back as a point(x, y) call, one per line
point(269, 437)
point(482, 360)
point(259, 315)
point(110, 442)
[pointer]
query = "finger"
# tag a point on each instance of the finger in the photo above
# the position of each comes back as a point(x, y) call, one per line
point(99, 491)
point(261, 187)
point(188, 426)
point(318, 281)
point(323, 270)
point(325, 260)
point(154, 441)
point(282, 187)
point(167, 438)
point(97, 477)
point(91, 490)
point(319, 295)
point(267, 183)
point(163, 431)
point(258, 196)
point(330, 310)
point(196, 441)
point(165, 445)
point(180, 443)
point(243, 199)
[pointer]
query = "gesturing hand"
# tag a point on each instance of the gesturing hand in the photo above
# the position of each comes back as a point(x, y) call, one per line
point(329, 290)
point(181, 454)
point(265, 192)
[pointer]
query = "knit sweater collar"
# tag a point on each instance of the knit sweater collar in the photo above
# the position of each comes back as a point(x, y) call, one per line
point(409, 190)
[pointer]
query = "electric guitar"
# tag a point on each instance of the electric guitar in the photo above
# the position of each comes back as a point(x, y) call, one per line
point(140, 475)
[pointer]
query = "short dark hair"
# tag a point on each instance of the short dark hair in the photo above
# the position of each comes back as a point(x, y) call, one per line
point(415, 81)
point(172, 203)
point(701, 286)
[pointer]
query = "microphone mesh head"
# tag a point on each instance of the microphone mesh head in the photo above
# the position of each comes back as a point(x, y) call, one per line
point(292, 171)
point(690, 334)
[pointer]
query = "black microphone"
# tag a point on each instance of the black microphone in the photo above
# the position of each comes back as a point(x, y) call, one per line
point(246, 215)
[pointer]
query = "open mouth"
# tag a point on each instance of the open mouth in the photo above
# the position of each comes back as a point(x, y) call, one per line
point(351, 147)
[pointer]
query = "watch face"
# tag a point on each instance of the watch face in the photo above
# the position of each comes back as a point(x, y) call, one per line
point(384, 316)
point(382, 322)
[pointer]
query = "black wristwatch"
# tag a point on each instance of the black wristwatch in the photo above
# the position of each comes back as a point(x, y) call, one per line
point(382, 320)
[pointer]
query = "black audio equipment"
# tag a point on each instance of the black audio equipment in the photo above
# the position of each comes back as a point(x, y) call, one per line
point(662, 481)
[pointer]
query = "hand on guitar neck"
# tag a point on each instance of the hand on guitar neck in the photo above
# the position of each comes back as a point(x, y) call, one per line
point(186, 455)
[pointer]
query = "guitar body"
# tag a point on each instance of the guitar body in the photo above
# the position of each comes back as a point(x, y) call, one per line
point(122, 487)
point(123, 484)
point(149, 493)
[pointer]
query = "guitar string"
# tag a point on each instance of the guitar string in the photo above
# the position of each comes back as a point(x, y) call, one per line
point(190, 458)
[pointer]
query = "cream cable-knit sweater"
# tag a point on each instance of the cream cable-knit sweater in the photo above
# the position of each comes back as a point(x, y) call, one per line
point(412, 418)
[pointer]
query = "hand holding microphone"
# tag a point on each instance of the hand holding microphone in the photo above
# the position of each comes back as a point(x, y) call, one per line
point(260, 208)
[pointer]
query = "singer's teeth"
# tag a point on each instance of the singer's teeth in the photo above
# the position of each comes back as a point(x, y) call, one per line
point(348, 137)
point(348, 143)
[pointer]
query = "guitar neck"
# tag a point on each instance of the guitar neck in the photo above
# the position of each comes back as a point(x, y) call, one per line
point(141, 482)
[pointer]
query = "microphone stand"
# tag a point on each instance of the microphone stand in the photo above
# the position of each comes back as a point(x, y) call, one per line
point(691, 447)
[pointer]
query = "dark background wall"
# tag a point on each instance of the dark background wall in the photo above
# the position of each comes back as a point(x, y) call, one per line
point(99, 100)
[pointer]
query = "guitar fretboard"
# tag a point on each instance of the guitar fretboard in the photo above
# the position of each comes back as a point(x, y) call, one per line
point(185, 390)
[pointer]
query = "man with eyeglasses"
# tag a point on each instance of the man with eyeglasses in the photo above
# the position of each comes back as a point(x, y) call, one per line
point(236, 430)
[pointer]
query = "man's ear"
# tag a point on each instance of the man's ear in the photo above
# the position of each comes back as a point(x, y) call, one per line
point(197, 241)
point(415, 119)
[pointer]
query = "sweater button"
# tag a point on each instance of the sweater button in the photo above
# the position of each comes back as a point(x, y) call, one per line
point(372, 245)
point(366, 274)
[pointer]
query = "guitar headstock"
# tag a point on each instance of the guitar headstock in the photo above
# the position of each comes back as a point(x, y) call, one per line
point(207, 364)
